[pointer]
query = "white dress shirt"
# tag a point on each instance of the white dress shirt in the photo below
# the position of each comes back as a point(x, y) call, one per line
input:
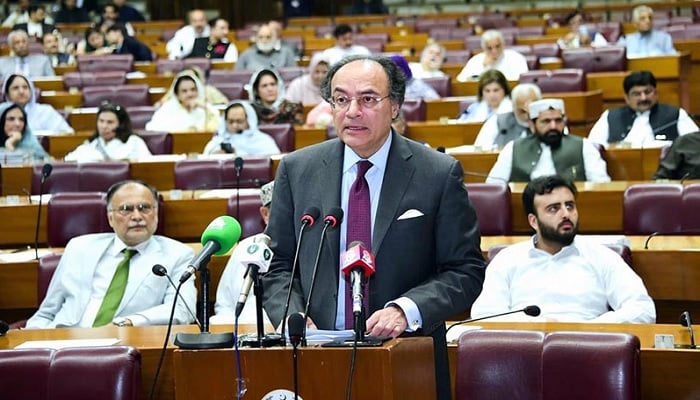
point(511, 64)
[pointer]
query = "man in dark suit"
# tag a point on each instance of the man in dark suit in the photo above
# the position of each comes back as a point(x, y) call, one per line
point(35, 26)
point(424, 232)
point(124, 44)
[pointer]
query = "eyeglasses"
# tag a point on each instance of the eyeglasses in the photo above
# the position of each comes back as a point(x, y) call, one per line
point(365, 101)
point(639, 93)
point(127, 209)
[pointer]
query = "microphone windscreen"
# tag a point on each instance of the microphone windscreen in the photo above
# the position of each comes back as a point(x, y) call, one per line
point(532, 311)
point(224, 230)
point(4, 327)
point(238, 162)
point(296, 327)
point(685, 319)
point(46, 170)
point(159, 270)
point(310, 216)
point(334, 217)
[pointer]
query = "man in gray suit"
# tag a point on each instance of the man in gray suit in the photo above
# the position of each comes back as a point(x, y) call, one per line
point(89, 267)
point(424, 232)
point(30, 65)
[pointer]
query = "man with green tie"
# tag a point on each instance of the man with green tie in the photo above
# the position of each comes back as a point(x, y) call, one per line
point(106, 278)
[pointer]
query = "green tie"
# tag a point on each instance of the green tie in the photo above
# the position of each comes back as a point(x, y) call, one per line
point(115, 292)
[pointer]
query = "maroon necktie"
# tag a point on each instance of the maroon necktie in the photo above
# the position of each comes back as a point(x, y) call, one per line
point(359, 228)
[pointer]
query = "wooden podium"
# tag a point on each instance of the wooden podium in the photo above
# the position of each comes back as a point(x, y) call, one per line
point(400, 369)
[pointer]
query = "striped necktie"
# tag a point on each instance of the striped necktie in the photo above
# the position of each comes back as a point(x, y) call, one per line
point(115, 292)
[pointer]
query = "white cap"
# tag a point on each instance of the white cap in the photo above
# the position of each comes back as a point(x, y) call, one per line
point(536, 107)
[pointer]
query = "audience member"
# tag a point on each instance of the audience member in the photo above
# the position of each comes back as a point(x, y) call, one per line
point(128, 13)
point(306, 89)
point(264, 53)
point(113, 139)
point(548, 151)
point(212, 95)
point(20, 61)
point(106, 278)
point(431, 59)
point(124, 44)
point(511, 125)
point(344, 45)
point(415, 88)
point(493, 97)
point(643, 120)
point(239, 134)
point(683, 159)
point(186, 109)
point(494, 56)
point(579, 35)
point(435, 236)
point(16, 136)
point(277, 27)
point(42, 119)
point(216, 46)
point(19, 15)
point(110, 17)
point(70, 13)
point(266, 94)
point(571, 278)
point(647, 41)
point(320, 116)
point(94, 43)
point(182, 42)
point(52, 48)
point(35, 26)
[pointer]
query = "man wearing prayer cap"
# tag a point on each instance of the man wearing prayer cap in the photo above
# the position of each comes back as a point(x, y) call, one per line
point(549, 151)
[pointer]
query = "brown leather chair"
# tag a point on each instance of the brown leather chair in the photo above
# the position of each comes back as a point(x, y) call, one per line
point(47, 267)
point(529, 365)
point(611, 30)
point(414, 109)
point(81, 373)
point(288, 74)
point(198, 174)
point(441, 84)
point(457, 56)
point(556, 81)
point(110, 62)
point(140, 115)
point(63, 178)
point(165, 66)
point(283, 134)
point(491, 202)
point(248, 202)
point(596, 59)
point(546, 50)
point(232, 90)
point(99, 176)
point(426, 24)
point(124, 95)
point(73, 214)
point(691, 203)
point(158, 142)
point(653, 207)
point(217, 76)
point(256, 171)
point(79, 80)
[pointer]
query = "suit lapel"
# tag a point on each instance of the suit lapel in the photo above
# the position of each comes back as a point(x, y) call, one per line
point(330, 177)
point(393, 188)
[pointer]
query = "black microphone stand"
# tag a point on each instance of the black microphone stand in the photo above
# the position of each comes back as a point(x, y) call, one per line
point(360, 339)
point(238, 166)
point(204, 339)
point(260, 340)
point(45, 172)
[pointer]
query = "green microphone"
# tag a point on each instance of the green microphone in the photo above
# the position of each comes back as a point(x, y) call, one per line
point(218, 238)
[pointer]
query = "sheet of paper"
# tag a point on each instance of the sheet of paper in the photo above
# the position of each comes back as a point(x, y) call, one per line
point(23, 256)
point(60, 344)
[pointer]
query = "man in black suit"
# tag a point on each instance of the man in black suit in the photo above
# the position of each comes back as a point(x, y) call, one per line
point(424, 232)
point(124, 44)
point(36, 27)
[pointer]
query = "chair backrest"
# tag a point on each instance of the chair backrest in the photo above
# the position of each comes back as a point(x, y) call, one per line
point(248, 201)
point(226, 75)
point(99, 176)
point(529, 365)
point(414, 109)
point(652, 207)
point(64, 178)
point(546, 50)
point(457, 56)
point(140, 115)
point(165, 66)
point(283, 134)
point(124, 95)
point(197, 174)
point(232, 90)
point(256, 171)
point(492, 203)
point(288, 74)
point(596, 59)
point(74, 214)
point(555, 81)
point(47, 266)
point(110, 62)
point(79, 80)
point(691, 203)
point(441, 84)
point(158, 142)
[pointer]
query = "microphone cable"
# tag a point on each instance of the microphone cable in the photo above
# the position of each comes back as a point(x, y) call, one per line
point(165, 343)
point(353, 357)
point(241, 387)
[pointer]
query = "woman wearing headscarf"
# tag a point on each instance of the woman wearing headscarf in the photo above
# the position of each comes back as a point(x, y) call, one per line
point(186, 109)
point(16, 136)
point(306, 89)
point(113, 138)
point(266, 93)
point(415, 88)
point(41, 118)
point(238, 133)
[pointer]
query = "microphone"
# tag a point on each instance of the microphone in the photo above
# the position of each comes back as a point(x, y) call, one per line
point(309, 218)
point(45, 172)
point(296, 328)
point(218, 238)
point(532, 311)
point(687, 322)
point(358, 263)
point(160, 270)
point(257, 257)
point(331, 220)
point(657, 233)
point(4, 327)
point(238, 166)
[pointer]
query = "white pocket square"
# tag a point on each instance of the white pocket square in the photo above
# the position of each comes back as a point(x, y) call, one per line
point(412, 213)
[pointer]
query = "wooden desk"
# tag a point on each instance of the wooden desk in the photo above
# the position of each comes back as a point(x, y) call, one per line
point(400, 369)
